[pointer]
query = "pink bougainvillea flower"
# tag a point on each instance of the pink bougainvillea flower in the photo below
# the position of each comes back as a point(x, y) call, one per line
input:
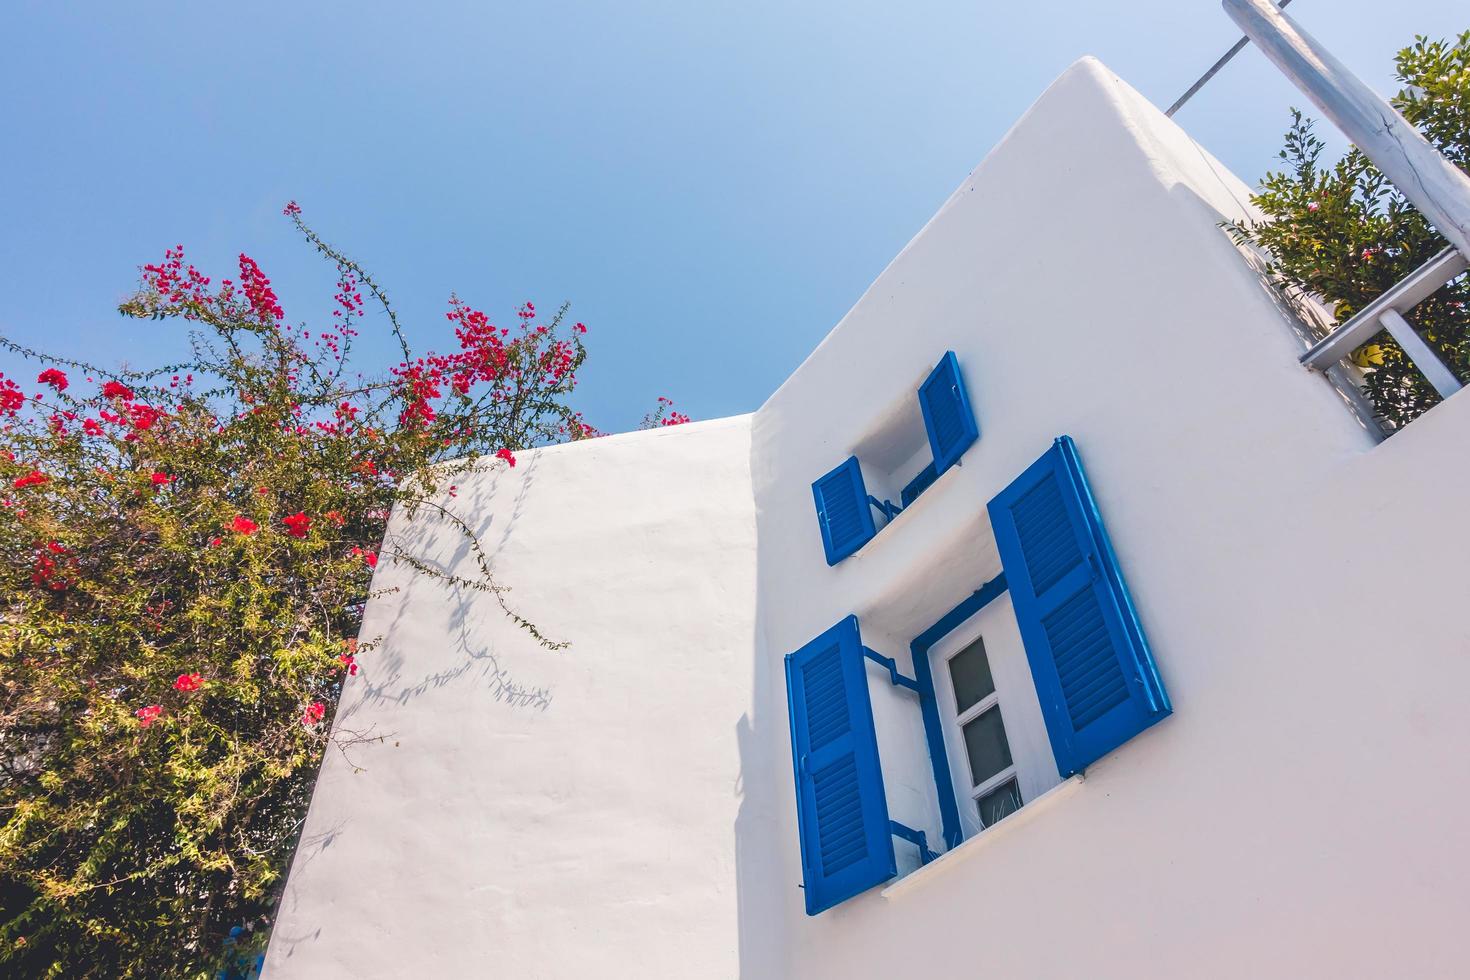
point(115, 389)
point(54, 378)
point(291, 209)
point(348, 661)
point(91, 427)
point(297, 524)
point(161, 479)
point(12, 399)
point(214, 542)
point(244, 525)
point(262, 490)
point(32, 479)
point(142, 417)
point(257, 289)
point(188, 682)
point(148, 715)
point(314, 713)
point(506, 455)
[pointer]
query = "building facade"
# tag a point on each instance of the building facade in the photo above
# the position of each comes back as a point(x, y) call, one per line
point(1146, 658)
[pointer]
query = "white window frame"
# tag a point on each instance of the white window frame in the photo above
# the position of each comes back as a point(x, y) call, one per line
point(1033, 765)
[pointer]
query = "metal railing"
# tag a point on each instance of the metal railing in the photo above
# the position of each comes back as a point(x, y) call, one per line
point(1428, 179)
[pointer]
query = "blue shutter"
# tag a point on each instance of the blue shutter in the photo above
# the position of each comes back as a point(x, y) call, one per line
point(948, 418)
point(1095, 677)
point(842, 511)
point(841, 812)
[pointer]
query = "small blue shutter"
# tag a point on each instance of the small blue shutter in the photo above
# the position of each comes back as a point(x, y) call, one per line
point(842, 511)
point(841, 811)
point(948, 418)
point(1095, 677)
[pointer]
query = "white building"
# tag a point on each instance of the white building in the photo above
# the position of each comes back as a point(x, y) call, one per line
point(637, 804)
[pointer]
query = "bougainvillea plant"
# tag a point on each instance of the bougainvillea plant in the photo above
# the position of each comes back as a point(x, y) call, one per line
point(1342, 233)
point(184, 557)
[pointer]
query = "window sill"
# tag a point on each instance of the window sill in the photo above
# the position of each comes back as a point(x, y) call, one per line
point(967, 850)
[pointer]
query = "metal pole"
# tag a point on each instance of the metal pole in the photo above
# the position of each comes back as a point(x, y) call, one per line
point(1439, 189)
point(1235, 49)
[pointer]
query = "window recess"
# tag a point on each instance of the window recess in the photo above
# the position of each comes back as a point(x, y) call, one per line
point(926, 433)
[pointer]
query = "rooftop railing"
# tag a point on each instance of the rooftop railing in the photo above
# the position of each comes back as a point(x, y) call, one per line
point(1424, 175)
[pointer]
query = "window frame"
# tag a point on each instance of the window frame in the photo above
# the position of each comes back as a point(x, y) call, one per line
point(1033, 765)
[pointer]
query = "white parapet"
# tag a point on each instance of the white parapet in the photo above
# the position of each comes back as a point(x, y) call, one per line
point(532, 813)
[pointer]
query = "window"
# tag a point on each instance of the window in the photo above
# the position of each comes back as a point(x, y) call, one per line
point(1035, 675)
point(994, 731)
point(918, 439)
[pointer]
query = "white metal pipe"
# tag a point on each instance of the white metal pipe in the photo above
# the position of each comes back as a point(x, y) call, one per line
point(1439, 189)
point(1419, 352)
point(1418, 286)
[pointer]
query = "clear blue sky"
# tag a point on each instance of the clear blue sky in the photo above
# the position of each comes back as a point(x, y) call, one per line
point(710, 184)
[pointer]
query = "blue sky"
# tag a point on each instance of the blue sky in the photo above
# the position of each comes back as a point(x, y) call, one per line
point(710, 184)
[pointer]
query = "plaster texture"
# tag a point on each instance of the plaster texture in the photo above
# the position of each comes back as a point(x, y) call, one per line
point(536, 813)
point(625, 808)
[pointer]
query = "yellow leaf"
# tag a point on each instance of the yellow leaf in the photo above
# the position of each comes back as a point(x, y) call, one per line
point(1369, 355)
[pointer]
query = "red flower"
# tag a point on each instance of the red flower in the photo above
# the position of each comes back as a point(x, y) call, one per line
point(91, 428)
point(12, 399)
point(314, 713)
point(292, 209)
point(161, 479)
point(114, 389)
point(54, 378)
point(349, 661)
point(142, 417)
point(335, 517)
point(32, 479)
point(506, 455)
point(188, 682)
point(257, 289)
point(297, 524)
point(244, 525)
point(148, 715)
point(214, 542)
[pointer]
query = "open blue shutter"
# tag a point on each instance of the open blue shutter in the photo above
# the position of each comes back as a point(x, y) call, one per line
point(842, 511)
point(948, 418)
point(1095, 677)
point(842, 814)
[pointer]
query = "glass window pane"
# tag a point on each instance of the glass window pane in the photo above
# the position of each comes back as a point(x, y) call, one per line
point(985, 741)
point(999, 803)
point(970, 671)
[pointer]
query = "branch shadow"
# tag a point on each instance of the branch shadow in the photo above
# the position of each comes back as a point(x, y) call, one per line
point(425, 535)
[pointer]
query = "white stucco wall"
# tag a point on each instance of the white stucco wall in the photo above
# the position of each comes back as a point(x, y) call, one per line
point(1298, 816)
point(547, 814)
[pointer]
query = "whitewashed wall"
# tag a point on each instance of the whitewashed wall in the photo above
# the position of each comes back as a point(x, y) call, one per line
point(547, 814)
point(1301, 813)
point(1299, 816)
